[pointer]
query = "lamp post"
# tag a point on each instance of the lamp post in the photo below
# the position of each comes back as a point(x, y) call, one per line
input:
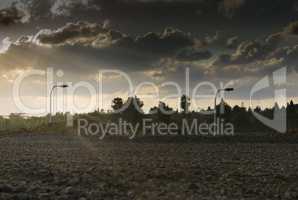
point(51, 94)
point(217, 93)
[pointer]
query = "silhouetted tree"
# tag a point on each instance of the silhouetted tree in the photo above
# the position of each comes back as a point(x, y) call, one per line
point(117, 103)
point(258, 109)
point(185, 103)
point(134, 104)
point(133, 109)
point(162, 108)
point(224, 110)
point(291, 116)
point(162, 112)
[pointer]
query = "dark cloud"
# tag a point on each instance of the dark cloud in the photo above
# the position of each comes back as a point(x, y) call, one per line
point(193, 54)
point(232, 42)
point(67, 7)
point(86, 47)
point(167, 42)
point(222, 40)
point(117, 45)
point(246, 52)
point(71, 34)
point(130, 16)
point(288, 37)
point(275, 39)
point(101, 45)
point(287, 55)
point(222, 60)
point(291, 57)
point(260, 56)
point(279, 53)
point(10, 16)
point(252, 50)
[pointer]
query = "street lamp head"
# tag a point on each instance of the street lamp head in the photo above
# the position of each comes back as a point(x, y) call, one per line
point(60, 86)
point(51, 93)
point(229, 89)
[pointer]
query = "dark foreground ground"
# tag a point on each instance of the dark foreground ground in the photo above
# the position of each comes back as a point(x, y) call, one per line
point(69, 167)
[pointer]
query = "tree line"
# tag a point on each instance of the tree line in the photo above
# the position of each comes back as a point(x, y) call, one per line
point(131, 110)
point(241, 117)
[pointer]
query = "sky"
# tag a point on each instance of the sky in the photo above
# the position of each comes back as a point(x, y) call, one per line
point(234, 42)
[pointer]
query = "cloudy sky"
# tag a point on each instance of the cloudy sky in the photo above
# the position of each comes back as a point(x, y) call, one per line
point(219, 41)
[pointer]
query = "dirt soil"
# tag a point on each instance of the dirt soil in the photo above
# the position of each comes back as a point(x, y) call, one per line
point(70, 167)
